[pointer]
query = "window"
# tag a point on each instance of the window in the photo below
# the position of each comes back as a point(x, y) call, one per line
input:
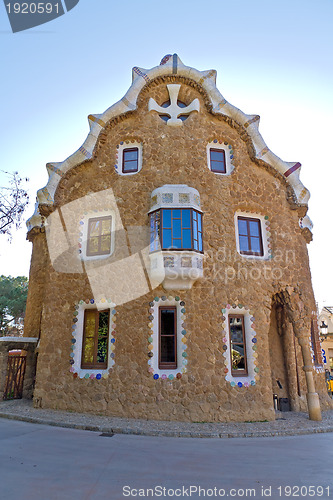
point(99, 236)
point(95, 339)
point(176, 229)
point(167, 117)
point(237, 345)
point(217, 160)
point(130, 160)
point(167, 337)
point(250, 237)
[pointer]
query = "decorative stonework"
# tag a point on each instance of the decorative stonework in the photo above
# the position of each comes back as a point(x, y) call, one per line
point(153, 341)
point(77, 339)
point(251, 346)
point(174, 110)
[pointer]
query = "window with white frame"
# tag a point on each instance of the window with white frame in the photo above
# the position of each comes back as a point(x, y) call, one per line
point(251, 235)
point(129, 158)
point(220, 157)
point(97, 234)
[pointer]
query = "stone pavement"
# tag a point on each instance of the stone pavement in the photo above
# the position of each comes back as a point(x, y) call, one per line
point(286, 423)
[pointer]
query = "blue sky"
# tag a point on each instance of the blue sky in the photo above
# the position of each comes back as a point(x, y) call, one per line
point(273, 59)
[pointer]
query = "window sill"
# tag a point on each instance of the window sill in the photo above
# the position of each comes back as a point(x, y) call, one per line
point(176, 270)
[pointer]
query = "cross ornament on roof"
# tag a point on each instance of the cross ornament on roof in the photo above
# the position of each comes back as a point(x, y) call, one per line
point(174, 110)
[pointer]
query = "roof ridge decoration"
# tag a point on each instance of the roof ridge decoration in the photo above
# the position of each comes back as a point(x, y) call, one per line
point(170, 65)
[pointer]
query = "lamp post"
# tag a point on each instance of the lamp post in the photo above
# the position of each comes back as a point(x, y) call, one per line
point(323, 331)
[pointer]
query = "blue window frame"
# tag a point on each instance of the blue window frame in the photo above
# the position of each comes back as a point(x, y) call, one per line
point(176, 229)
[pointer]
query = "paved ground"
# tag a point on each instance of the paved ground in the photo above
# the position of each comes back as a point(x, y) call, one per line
point(39, 462)
point(287, 423)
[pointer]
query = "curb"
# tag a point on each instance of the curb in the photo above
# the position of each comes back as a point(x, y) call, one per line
point(167, 433)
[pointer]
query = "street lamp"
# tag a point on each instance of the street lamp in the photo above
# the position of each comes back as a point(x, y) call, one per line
point(323, 331)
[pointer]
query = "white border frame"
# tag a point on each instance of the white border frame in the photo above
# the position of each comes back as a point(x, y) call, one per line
point(266, 249)
point(120, 149)
point(84, 238)
point(229, 167)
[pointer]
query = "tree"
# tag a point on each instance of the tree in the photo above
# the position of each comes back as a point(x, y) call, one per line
point(13, 298)
point(13, 201)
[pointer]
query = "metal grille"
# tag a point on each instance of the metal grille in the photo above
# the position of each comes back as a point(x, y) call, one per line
point(15, 377)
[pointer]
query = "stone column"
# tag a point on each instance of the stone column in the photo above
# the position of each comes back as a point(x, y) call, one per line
point(312, 397)
point(29, 376)
point(291, 365)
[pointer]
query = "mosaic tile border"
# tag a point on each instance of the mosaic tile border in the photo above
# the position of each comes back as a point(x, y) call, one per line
point(81, 241)
point(130, 142)
point(77, 336)
point(251, 378)
point(228, 148)
point(153, 311)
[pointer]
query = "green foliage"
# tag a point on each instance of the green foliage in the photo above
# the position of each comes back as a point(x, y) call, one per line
point(13, 298)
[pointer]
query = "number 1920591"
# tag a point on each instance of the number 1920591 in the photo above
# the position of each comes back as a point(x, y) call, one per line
point(32, 8)
point(303, 491)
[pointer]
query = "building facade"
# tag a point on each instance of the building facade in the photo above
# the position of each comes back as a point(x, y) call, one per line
point(169, 275)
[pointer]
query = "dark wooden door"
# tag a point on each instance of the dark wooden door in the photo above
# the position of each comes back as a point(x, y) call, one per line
point(15, 377)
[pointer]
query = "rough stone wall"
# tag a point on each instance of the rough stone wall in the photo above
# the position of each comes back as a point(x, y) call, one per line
point(174, 156)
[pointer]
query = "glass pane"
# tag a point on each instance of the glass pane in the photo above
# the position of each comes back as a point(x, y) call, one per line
point(195, 228)
point(130, 166)
point(187, 238)
point(244, 244)
point(199, 222)
point(106, 226)
point(242, 227)
point(102, 350)
point(168, 350)
point(255, 245)
point(177, 243)
point(106, 243)
point(236, 332)
point(167, 242)
point(195, 245)
point(88, 352)
point(200, 242)
point(152, 220)
point(93, 245)
point(130, 155)
point(176, 214)
point(176, 228)
point(167, 321)
point(217, 166)
point(94, 228)
point(166, 214)
point(103, 324)
point(254, 228)
point(90, 324)
point(186, 217)
point(238, 361)
point(217, 155)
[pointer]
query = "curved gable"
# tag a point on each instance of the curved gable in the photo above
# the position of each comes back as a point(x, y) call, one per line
point(171, 65)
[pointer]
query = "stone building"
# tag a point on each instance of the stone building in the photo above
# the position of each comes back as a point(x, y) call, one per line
point(169, 275)
point(325, 320)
